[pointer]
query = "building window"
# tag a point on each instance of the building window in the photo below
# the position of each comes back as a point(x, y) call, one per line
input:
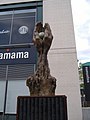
point(16, 27)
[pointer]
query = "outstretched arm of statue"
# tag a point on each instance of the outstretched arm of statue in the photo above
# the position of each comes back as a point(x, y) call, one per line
point(42, 37)
point(36, 38)
point(48, 37)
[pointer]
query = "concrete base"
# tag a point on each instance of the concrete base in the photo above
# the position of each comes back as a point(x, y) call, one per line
point(42, 108)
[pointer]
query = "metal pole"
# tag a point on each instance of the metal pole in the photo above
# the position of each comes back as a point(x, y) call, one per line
point(34, 68)
point(5, 98)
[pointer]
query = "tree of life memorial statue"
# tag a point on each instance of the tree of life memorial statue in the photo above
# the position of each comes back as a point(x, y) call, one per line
point(42, 83)
point(42, 104)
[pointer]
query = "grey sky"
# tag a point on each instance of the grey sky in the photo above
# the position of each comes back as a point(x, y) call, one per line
point(81, 18)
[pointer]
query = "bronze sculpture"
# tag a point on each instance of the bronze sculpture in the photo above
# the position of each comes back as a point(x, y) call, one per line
point(42, 83)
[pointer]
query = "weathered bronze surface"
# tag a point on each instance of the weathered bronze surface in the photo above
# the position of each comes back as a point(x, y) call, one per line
point(42, 83)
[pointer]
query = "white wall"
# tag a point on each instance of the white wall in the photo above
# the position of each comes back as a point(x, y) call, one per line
point(86, 113)
point(62, 56)
point(15, 1)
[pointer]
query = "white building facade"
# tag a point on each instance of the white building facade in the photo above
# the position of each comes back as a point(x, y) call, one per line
point(62, 57)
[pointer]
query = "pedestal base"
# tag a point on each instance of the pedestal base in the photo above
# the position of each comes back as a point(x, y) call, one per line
point(42, 108)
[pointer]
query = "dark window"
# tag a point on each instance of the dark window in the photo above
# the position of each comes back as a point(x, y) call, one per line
point(5, 27)
point(16, 27)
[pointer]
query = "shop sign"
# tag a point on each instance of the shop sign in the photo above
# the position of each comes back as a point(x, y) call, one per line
point(18, 55)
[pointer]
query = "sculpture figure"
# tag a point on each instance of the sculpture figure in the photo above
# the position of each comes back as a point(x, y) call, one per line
point(42, 83)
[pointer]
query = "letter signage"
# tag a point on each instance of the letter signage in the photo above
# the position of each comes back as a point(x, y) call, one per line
point(86, 76)
point(18, 55)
